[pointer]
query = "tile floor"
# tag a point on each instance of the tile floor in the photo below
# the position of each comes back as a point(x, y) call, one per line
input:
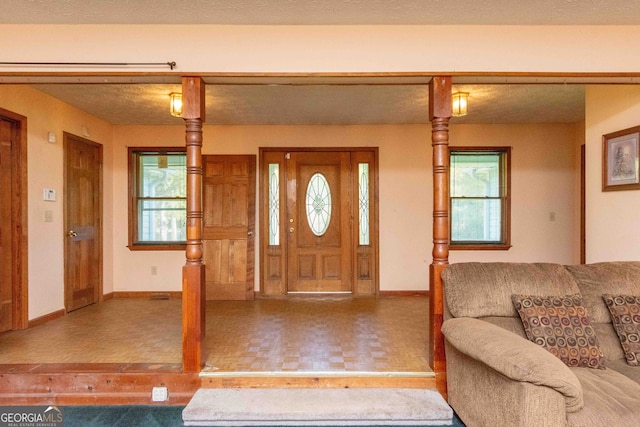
point(296, 334)
point(126, 416)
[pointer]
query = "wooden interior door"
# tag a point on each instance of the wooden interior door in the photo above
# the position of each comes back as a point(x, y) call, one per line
point(6, 258)
point(83, 221)
point(229, 191)
point(318, 226)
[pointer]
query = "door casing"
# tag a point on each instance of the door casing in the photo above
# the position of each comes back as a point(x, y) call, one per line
point(17, 226)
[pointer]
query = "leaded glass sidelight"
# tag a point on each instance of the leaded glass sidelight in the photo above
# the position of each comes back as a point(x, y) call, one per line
point(318, 204)
point(274, 204)
point(363, 197)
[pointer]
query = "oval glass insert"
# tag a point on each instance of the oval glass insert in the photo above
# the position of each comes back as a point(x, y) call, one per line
point(318, 204)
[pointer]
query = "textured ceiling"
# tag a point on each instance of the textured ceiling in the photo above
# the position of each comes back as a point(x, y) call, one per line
point(322, 12)
point(148, 104)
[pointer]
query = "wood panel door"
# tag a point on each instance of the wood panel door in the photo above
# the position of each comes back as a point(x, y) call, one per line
point(6, 257)
point(318, 226)
point(83, 221)
point(229, 191)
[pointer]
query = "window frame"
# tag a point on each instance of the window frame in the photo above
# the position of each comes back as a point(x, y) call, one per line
point(505, 189)
point(133, 154)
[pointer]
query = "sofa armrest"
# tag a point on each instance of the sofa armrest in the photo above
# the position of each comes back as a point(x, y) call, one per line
point(514, 357)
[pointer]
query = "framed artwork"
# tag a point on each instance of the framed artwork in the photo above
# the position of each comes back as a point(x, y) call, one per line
point(620, 160)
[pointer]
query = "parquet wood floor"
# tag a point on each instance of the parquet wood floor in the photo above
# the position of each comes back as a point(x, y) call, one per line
point(298, 334)
point(334, 334)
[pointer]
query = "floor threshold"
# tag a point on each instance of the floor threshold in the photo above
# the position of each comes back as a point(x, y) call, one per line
point(316, 374)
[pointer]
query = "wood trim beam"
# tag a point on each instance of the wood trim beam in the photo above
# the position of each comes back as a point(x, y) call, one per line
point(84, 386)
point(193, 282)
point(440, 108)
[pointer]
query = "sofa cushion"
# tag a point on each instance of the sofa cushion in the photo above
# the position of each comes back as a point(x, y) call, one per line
point(610, 399)
point(485, 289)
point(594, 280)
point(609, 342)
point(562, 326)
point(625, 314)
point(622, 367)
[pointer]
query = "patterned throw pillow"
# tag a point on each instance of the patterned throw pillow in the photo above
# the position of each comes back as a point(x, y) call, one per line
point(625, 314)
point(561, 325)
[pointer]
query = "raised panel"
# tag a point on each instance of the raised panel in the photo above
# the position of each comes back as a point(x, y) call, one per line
point(225, 268)
point(273, 267)
point(214, 169)
point(211, 255)
point(238, 261)
point(213, 199)
point(331, 267)
point(364, 267)
point(238, 202)
point(306, 267)
point(239, 169)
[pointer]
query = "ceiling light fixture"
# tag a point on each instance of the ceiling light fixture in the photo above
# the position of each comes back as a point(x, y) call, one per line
point(176, 104)
point(460, 103)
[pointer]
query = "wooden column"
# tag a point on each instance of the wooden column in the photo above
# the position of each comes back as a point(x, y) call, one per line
point(193, 295)
point(439, 115)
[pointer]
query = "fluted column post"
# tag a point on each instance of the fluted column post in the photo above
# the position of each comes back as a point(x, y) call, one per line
point(193, 290)
point(439, 115)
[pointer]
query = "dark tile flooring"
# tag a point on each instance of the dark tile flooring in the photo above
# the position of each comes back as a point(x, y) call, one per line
point(134, 416)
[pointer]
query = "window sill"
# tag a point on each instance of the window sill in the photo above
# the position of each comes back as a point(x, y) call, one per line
point(479, 247)
point(155, 247)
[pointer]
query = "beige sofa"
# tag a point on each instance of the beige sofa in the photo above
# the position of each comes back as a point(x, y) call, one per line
point(497, 377)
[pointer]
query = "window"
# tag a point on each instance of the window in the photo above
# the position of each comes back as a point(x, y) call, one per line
point(480, 197)
point(157, 198)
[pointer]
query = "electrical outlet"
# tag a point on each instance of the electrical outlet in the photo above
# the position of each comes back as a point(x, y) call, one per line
point(159, 394)
point(154, 270)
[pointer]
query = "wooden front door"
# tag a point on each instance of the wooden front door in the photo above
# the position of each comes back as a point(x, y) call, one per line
point(6, 257)
point(83, 221)
point(229, 191)
point(319, 222)
point(306, 243)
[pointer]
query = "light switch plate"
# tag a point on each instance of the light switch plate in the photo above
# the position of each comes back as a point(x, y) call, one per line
point(49, 194)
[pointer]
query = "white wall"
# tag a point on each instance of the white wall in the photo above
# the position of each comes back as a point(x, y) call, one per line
point(543, 181)
point(363, 48)
point(613, 220)
point(45, 170)
point(543, 168)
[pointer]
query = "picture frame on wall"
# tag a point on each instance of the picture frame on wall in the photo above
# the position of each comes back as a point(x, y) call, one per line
point(621, 160)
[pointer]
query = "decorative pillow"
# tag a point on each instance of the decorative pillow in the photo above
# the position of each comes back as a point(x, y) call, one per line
point(561, 325)
point(625, 314)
